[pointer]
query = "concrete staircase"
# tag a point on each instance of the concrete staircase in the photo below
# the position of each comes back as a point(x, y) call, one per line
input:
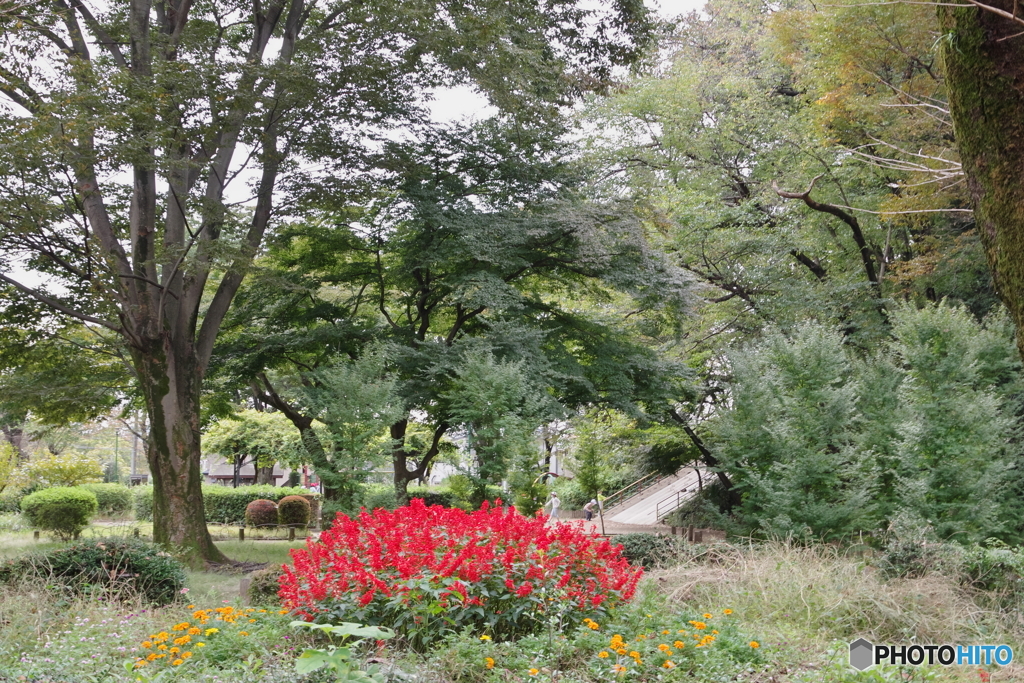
point(651, 505)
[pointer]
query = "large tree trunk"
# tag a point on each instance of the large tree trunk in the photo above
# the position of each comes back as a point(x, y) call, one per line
point(985, 76)
point(171, 382)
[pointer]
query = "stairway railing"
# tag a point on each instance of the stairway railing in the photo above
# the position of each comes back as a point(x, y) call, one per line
point(633, 489)
point(668, 505)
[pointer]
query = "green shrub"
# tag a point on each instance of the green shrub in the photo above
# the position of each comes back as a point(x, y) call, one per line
point(442, 497)
point(379, 496)
point(261, 513)
point(263, 586)
point(142, 502)
point(64, 510)
point(225, 505)
point(648, 550)
point(120, 567)
point(293, 510)
point(113, 499)
point(10, 500)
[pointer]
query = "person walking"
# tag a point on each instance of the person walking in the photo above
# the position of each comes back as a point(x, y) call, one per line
point(588, 509)
point(554, 503)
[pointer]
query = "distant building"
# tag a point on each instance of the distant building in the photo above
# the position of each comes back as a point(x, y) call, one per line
point(217, 470)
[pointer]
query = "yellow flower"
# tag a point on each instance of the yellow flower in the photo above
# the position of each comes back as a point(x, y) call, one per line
point(282, 611)
point(184, 640)
point(681, 631)
point(534, 672)
point(665, 632)
point(146, 644)
point(161, 646)
point(174, 650)
point(489, 662)
point(485, 637)
point(177, 662)
point(200, 644)
point(161, 637)
point(641, 637)
point(603, 654)
point(664, 648)
point(699, 625)
point(634, 654)
point(668, 664)
point(727, 611)
point(243, 633)
point(593, 626)
point(754, 644)
point(211, 631)
point(186, 655)
point(261, 611)
point(191, 606)
point(141, 663)
point(252, 621)
point(621, 651)
point(151, 656)
point(707, 615)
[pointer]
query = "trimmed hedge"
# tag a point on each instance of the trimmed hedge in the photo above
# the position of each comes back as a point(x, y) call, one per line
point(113, 499)
point(261, 513)
point(64, 510)
point(294, 511)
point(223, 504)
point(121, 567)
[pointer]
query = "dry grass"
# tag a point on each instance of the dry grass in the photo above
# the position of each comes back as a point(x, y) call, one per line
point(809, 600)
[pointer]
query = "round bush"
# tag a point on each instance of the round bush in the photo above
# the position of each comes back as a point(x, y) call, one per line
point(264, 585)
point(112, 567)
point(113, 499)
point(294, 510)
point(261, 513)
point(64, 510)
point(431, 571)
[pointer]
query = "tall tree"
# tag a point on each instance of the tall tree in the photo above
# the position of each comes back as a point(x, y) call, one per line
point(984, 61)
point(123, 128)
point(480, 246)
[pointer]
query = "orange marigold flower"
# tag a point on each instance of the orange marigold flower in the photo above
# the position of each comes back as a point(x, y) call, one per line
point(534, 672)
point(243, 633)
point(174, 650)
point(699, 625)
point(186, 655)
point(184, 640)
point(151, 656)
point(618, 668)
point(707, 615)
point(664, 648)
point(181, 627)
point(727, 611)
point(489, 662)
point(177, 662)
point(669, 664)
point(603, 654)
point(161, 646)
point(146, 644)
point(195, 631)
point(754, 644)
point(665, 632)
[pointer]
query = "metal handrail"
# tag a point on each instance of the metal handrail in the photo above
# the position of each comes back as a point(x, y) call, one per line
point(674, 502)
point(630, 490)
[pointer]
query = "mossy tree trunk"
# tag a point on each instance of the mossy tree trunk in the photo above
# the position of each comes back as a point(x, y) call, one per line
point(985, 77)
point(171, 379)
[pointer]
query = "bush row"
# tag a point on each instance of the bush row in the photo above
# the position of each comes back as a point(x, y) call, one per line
point(224, 505)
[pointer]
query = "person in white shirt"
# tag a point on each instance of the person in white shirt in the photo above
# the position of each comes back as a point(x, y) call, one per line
point(553, 502)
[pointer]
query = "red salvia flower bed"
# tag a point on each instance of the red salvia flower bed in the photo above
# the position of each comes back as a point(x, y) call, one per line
point(427, 571)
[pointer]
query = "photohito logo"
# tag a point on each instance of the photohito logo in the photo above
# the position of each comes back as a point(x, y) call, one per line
point(864, 654)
